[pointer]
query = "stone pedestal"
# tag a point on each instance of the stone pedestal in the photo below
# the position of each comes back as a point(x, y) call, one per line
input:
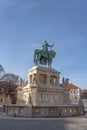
point(43, 96)
point(45, 89)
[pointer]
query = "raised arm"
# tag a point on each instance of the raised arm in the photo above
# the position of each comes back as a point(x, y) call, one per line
point(51, 45)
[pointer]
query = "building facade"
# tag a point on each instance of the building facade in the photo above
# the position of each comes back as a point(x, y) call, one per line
point(74, 93)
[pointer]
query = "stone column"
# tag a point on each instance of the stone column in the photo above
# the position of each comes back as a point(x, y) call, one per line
point(48, 79)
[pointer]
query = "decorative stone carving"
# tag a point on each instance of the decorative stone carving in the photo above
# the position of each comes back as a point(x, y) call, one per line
point(21, 82)
point(34, 81)
point(53, 80)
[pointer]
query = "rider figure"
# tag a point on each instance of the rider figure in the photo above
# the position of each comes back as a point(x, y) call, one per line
point(45, 46)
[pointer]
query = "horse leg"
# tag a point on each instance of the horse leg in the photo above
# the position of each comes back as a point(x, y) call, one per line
point(37, 59)
point(48, 64)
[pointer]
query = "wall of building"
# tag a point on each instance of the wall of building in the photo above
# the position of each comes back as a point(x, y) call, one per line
point(45, 111)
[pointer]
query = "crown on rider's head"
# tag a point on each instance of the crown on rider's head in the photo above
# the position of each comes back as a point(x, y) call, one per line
point(45, 41)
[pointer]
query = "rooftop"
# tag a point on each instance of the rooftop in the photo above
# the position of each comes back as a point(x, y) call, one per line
point(72, 86)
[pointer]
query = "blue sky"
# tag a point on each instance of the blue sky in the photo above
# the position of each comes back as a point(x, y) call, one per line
point(25, 24)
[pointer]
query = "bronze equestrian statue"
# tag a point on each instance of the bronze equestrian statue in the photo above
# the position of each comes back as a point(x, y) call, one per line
point(44, 56)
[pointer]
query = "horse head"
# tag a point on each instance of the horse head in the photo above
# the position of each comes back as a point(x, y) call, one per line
point(52, 53)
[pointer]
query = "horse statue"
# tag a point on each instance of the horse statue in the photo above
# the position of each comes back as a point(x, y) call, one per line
point(44, 56)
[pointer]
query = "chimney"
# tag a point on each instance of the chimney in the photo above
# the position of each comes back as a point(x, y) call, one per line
point(63, 80)
point(66, 81)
